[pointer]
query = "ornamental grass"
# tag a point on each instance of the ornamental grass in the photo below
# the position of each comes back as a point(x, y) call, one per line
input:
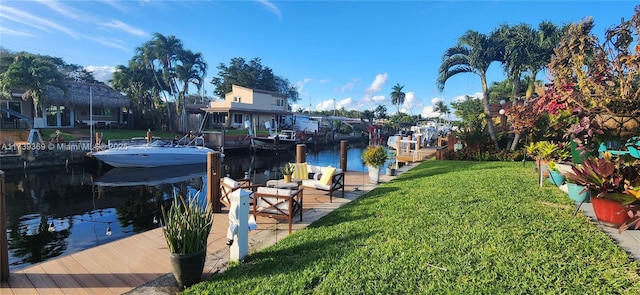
point(444, 227)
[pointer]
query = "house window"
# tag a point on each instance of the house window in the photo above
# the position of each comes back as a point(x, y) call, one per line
point(15, 106)
point(101, 111)
point(280, 102)
point(237, 99)
point(237, 118)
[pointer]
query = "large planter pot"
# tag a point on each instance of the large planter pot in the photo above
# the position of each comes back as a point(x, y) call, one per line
point(576, 155)
point(556, 177)
point(391, 171)
point(610, 212)
point(374, 174)
point(578, 193)
point(187, 268)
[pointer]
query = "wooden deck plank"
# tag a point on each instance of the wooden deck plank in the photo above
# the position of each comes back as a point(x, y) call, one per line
point(132, 258)
point(42, 281)
point(108, 279)
point(82, 275)
point(20, 284)
point(59, 274)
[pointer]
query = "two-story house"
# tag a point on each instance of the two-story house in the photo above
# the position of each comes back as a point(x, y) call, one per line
point(245, 104)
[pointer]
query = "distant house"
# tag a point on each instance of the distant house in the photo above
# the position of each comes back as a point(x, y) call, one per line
point(245, 104)
point(83, 104)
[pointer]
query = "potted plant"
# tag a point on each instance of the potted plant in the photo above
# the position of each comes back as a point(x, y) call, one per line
point(555, 176)
point(186, 229)
point(613, 183)
point(374, 157)
point(287, 170)
point(391, 169)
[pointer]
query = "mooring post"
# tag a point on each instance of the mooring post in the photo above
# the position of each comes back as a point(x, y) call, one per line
point(301, 153)
point(4, 248)
point(98, 139)
point(343, 155)
point(238, 232)
point(148, 135)
point(214, 172)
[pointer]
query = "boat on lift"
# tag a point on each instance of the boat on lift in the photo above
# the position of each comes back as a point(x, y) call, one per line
point(154, 154)
point(285, 140)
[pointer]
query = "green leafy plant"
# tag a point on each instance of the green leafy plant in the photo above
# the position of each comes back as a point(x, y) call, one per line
point(187, 224)
point(287, 169)
point(375, 156)
point(612, 178)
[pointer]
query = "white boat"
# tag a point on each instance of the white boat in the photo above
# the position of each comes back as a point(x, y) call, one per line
point(139, 176)
point(285, 140)
point(154, 154)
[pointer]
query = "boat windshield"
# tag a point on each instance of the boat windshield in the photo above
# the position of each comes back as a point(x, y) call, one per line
point(159, 143)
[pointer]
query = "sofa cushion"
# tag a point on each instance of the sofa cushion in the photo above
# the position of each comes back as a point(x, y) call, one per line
point(315, 184)
point(275, 191)
point(326, 175)
point(231, 183)
point(300, 171)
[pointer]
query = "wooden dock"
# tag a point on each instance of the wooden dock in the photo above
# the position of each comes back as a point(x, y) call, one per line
point(131, 264)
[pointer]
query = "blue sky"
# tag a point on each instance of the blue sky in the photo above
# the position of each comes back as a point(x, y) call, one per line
point(338, 53)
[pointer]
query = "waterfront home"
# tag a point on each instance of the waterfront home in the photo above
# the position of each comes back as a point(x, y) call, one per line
point(246, 104)
point(81, 105)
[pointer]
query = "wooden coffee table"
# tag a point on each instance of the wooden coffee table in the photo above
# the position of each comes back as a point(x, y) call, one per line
point(279, 183)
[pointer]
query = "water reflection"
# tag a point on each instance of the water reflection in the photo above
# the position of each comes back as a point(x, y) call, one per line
point(60, 211)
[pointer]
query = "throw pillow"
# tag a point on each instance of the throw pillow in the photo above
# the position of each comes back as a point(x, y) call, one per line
point(300, 171)
point(326, 177)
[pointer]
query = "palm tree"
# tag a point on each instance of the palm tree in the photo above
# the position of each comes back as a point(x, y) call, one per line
point(473, 54)
point(397, 96)
point(442, 108)
point(381, 111)
point(33, 74)
point(191, 69)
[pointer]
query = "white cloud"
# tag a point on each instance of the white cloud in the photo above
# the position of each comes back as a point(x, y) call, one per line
point(378, 98)
point(116, 24)
point(325, 105)
point(349, 86)
point(477, 95)
point(33, 21)
point(5, 31)
point(272, 7)
point(377, 83)
point(101, 73)
point(62, 9)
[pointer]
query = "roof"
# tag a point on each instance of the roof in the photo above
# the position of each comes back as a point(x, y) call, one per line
point(85, 94)
point(244, 110)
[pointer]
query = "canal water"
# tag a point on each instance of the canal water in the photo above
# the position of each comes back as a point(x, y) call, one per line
point(59, 211)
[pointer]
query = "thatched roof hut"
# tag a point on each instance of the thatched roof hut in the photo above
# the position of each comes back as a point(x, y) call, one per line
point(79, 93)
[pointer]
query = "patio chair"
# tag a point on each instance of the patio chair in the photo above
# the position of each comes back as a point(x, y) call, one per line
point(229, 185)
point(278, 203)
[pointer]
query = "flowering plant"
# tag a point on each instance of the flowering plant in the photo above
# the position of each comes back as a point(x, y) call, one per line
point(612, 178)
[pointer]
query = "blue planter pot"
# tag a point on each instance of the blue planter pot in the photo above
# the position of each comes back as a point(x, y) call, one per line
point(578, 193)
point(556, 177)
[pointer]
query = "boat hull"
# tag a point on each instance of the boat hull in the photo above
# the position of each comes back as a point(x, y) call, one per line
point(153, 156)
point(273, 144)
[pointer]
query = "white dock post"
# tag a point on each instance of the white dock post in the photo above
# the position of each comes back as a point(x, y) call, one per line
point(239, 224)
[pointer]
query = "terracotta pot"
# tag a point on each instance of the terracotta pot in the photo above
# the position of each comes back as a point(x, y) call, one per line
point(610, 212)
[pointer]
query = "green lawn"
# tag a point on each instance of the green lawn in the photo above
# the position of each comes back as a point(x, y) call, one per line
point(444, 227)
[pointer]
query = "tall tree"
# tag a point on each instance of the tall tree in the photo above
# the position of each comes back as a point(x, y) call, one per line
point(473, 53)
point(251, 75)
point(442, 108)
point(190, 69)
point(32, 73)
point(381, 112)
point(397, 96)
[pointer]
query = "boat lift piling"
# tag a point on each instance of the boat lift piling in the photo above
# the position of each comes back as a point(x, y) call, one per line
point(214, 166)
point(4, 248)
point(343, 154)
point(301, 153)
